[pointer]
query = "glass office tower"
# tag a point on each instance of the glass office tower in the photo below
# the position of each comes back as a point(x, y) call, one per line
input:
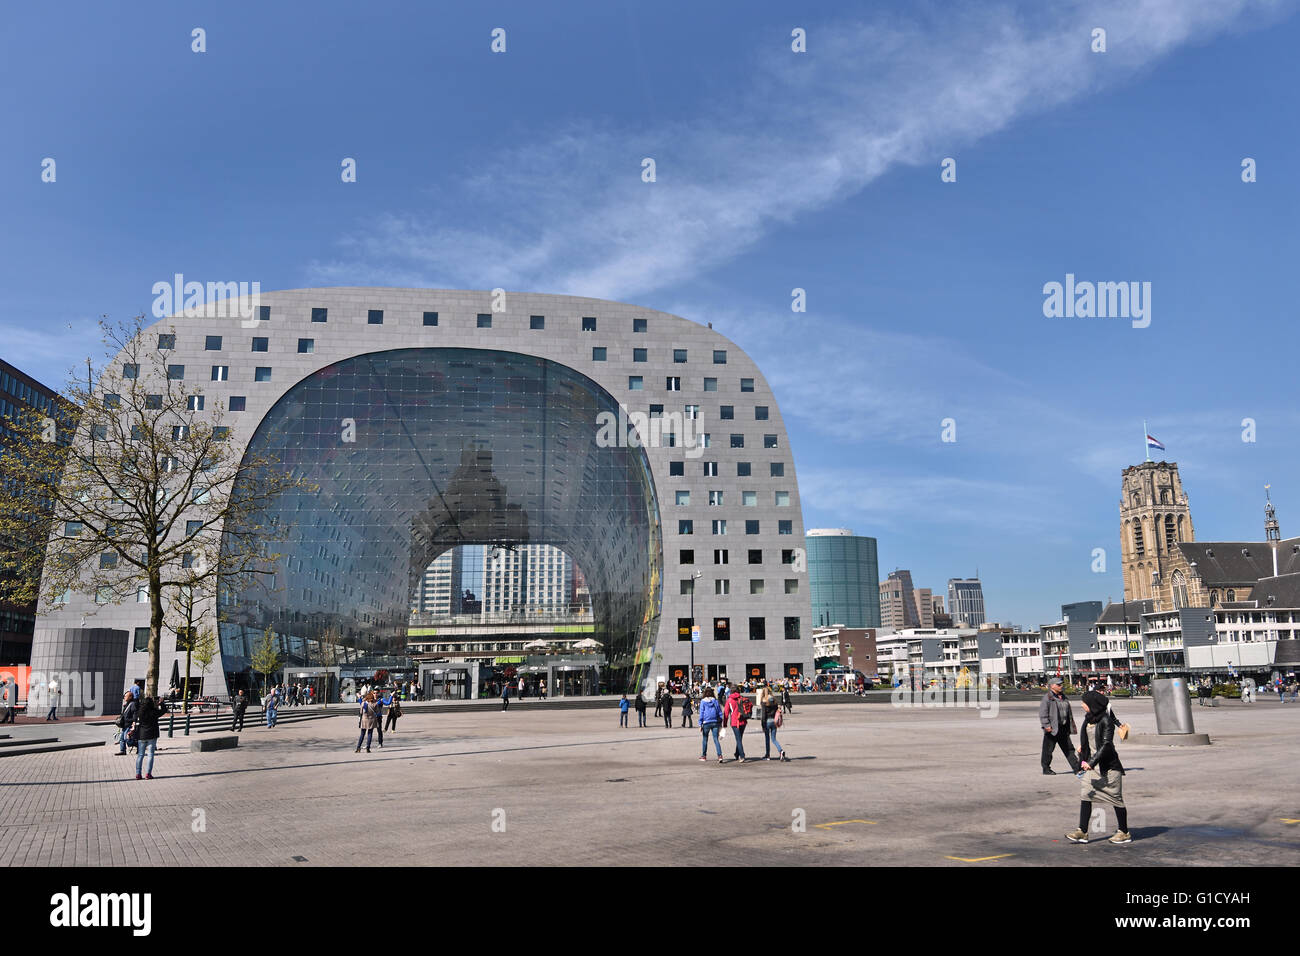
point(843, 575)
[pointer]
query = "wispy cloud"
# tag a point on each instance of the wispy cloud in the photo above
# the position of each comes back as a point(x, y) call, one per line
point(572, 215)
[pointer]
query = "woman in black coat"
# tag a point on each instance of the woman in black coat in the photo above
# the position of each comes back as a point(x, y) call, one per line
point(147, 734)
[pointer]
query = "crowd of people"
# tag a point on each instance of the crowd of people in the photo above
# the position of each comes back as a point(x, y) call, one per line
point(728, 708)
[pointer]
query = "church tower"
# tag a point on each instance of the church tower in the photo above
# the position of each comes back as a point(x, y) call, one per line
point(1154, 516)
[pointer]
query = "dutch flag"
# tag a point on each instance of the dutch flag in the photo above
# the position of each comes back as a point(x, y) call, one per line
point(1152, 443)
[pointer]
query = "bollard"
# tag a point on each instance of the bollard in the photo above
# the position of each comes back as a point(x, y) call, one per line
point(171, 725)
point(187, 724)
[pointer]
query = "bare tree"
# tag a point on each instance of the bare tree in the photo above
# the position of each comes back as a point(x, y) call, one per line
point(147, 499)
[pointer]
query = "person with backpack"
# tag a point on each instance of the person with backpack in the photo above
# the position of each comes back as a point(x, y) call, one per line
point(505, 696)
point(687, 710)
point(394, 711)
point(736, 713)
point(710, 721)
point(666, 702)
point(771, 717)
point(622, 711)
point(640, 709)
point(124, 721)
point(147, 734)
point(1103, 778)
point(369, 721)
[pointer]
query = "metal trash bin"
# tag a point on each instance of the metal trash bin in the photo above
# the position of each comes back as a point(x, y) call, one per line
point(1173, 706)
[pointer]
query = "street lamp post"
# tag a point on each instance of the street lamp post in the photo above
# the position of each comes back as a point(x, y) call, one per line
point(694, 577)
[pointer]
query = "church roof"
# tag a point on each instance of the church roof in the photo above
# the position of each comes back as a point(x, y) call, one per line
point(1224, 563)
point(1115, 613)
point(1283, 589)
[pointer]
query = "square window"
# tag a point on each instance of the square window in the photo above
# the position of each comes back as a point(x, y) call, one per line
point(187, 559)
point(755, 555)
point(306, 346)
point(727, 411)
point(588, 323)
point(212, 343)
point(192, 528)
point(673, 383)
point(537, 322)
point(710, 469)
point(755, 585)
point(692, 411)
point(130, 371)
point(374, 317)
point(677, 468)
point(722, 586)
point(684, 625)
point(722, 628)
point(485, 320)
point(685, 526)
point(737, 441)
point(791, 585)
point(72, 529)
point(264, 313)
point(112, 400)
point(320, 315)
point(153, 402)
point(175, 372)
point(787, 555)
point(710, 384)
point(166, 341)
point(639, 355)
point(783, 499)
point(687, 586)
point(715, 498)
point(220, 432)
point(194, 403)
point(140, 641)
point(792, 629)
point(638, 325)
point(719, 525)
point(686, 556)
point(742, 469)
point(430, 318)
point(757, 628)
point(683, 498)
point(719, 555)
point(746, 384)
point(784, 527)
point(751, 526)
point(679, 356)
point(261, 343)
point(598, 353)
point(180, 432)
point(760, 413)
point(220, 373)
point(656, 411)
point(777, 469)
point(719, 356)
point(769, 441)
point(262, 374)
point(634, 383)
point(706, 440)
point(238, 403)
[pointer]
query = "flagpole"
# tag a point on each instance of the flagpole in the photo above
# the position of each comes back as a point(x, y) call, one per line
point(1146, 442)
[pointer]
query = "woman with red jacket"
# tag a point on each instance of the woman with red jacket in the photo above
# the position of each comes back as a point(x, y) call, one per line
point(734, 715)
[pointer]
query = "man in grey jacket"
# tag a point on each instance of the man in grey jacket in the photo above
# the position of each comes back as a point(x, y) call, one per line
point(1057, 720)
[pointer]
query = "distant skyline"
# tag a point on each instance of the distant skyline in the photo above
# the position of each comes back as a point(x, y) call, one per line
point(775, 171)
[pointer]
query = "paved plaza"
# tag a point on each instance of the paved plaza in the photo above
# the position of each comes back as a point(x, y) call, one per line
point(876, 784)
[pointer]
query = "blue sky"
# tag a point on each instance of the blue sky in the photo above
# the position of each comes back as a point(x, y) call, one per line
point(776, 170)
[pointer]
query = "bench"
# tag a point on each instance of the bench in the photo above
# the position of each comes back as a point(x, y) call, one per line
point(213, 743)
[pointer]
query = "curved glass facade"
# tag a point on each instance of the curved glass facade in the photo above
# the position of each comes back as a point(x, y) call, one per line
point(415, 451)
point(844, 578)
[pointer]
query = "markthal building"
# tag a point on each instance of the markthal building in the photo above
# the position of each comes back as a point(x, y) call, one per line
point(648, 448)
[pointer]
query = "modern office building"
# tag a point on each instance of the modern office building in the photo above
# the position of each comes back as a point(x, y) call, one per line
point(842, 576)
point(899, 608)
point(21, 394)
point(966, 601)
point(645, 446)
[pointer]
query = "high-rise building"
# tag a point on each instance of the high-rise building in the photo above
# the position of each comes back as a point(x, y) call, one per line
point(441, 588)
point(966, 601)
point(842, 576)
point(534, 578)
point(898, 605)
point(924, 606)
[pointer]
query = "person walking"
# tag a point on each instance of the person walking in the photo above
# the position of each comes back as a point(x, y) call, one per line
point(710, 721)
point(659, 700)
point(1057, 720)
point(125, 721)
point(146, 735)
point(785, 697)
point(237, 708)
point(687, 709)
point(368, 722)
point(771, 717)
point(1103, 778)
point(640, 709)
point(541, 689)
point(505, 696)
point(8, 700)
point(622, 711)
point(736, 713)
point(394, 711)
point(271, 706)
point(667, 704)
point(381, 702)
point(54, 693)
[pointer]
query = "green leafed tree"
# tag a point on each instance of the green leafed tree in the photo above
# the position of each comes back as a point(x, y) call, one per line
point(266, 658)
point(147, 499)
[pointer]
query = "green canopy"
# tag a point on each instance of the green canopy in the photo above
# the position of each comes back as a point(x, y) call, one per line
point(826, 663)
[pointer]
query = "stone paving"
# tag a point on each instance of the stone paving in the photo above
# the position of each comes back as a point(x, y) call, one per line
point(876, 784)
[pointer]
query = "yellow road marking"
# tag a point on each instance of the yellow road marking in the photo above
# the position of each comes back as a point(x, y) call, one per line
point(840, 823)
point(1285, 820)
point(979, 859)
